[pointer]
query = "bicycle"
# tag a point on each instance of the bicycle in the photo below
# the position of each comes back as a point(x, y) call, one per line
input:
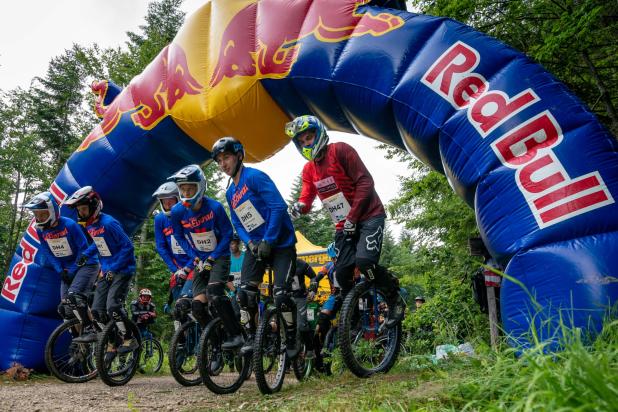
point(69, 361)
point(151, 357)
point(270, 359)
point(184, 353)
point(367, 346)
point(117, 369)
point(222, 371)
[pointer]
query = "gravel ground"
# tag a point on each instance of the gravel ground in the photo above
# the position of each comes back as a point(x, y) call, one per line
point(152, 393)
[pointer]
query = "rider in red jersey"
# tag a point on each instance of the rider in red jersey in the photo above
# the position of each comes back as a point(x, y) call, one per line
point(336, 174)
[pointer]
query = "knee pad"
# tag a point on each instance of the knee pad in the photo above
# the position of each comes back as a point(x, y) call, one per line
point(215, 291)
point(182, 308)
point(367, 268)
point(77, 300)
point(199, 311)
point(248, 297)
point(282, 299)
point(345, 277)
point(100, 317)
point(65, 312)
point(118, 313)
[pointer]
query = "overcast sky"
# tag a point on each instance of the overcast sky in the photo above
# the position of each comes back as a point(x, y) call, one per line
point(34, 31)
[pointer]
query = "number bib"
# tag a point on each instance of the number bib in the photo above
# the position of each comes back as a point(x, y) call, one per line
point(310, 315)
point(60, 247)
point(205, 241)
point(338, 207)
point(101, 246)
point(236, 278)
point(249, 216)
point(176, 248)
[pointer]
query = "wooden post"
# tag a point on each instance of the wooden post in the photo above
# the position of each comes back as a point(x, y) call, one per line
point(493, 316)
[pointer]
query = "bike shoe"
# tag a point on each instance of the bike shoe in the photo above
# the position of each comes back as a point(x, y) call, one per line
point(129, 345)
point(247, 348)
point(89, 336)
point(396, 310)
point(233, 343)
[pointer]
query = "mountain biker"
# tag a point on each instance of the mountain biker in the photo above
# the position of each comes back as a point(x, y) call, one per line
point(143, 311)
point(259, 215)
point(173, 255)
point(115, 252)
point(204, 231)
point(63, 245)
point(336, 174)
point(300, 294)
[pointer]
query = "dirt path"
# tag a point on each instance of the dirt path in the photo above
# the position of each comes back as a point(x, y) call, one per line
point(158, 393)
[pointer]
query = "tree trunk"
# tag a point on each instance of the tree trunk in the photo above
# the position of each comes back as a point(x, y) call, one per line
point(10, 244)
point(605, 96)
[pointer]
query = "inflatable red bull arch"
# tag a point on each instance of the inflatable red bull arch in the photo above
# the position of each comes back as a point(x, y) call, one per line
point(537, 166)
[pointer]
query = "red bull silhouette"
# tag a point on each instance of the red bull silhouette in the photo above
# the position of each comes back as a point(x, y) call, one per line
point(150, 96)
point(274, 52)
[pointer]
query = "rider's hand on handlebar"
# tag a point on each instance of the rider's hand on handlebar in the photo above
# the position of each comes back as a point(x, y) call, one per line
point(296, 210)
point(253, 248)
point(349, 228)
point(264, 250)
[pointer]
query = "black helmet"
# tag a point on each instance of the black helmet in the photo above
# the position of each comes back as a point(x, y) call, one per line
point(229, 145)
point(86, 196)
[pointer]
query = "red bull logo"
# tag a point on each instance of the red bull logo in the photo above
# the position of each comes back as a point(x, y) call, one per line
point(551, 193)
point(275, 49)
point(149, 97)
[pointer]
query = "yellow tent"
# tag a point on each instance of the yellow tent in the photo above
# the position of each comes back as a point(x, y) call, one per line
point(316, 257)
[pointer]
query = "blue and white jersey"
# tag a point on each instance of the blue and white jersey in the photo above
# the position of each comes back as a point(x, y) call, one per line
point(203, 233)
point(64, 244)
point(168, 248)
point(112, 244)
point(259, 211)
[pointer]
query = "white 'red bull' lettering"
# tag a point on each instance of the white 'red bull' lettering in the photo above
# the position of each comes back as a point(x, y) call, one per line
point(553, 196)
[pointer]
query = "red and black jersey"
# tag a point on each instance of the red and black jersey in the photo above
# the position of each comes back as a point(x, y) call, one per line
point(341, 170)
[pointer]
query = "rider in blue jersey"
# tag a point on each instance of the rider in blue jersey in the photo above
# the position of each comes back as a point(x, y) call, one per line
point(260, 217)
point(63, 244)
point(173, 255)
point(115, 251)
point(204, 231)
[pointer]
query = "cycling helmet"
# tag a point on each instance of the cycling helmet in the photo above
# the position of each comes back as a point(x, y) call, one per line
point(166, 191)
point(145, 295)
point(229, 145)
point(420, 297)
point(300, 125)
point(193, 175)
point(331, 251)
point(44, 201)
point(86, 196)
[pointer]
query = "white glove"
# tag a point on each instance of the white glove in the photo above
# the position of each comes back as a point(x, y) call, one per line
point(296, 210)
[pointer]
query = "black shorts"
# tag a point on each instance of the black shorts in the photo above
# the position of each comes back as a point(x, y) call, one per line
point(366, 244)
point(282, 260)
point(219, 273)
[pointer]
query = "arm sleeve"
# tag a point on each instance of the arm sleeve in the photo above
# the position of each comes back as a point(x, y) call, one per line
point(179, 234)
point(321, 274)
point(126, 246)
point(80, 241)
point(91, 251)
point(267, 190)
point(162, 246)
point(240, 229)
point(308, 191)
point(363, 182)
point(134, 312)
point(225, 229)
point(309, 272)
